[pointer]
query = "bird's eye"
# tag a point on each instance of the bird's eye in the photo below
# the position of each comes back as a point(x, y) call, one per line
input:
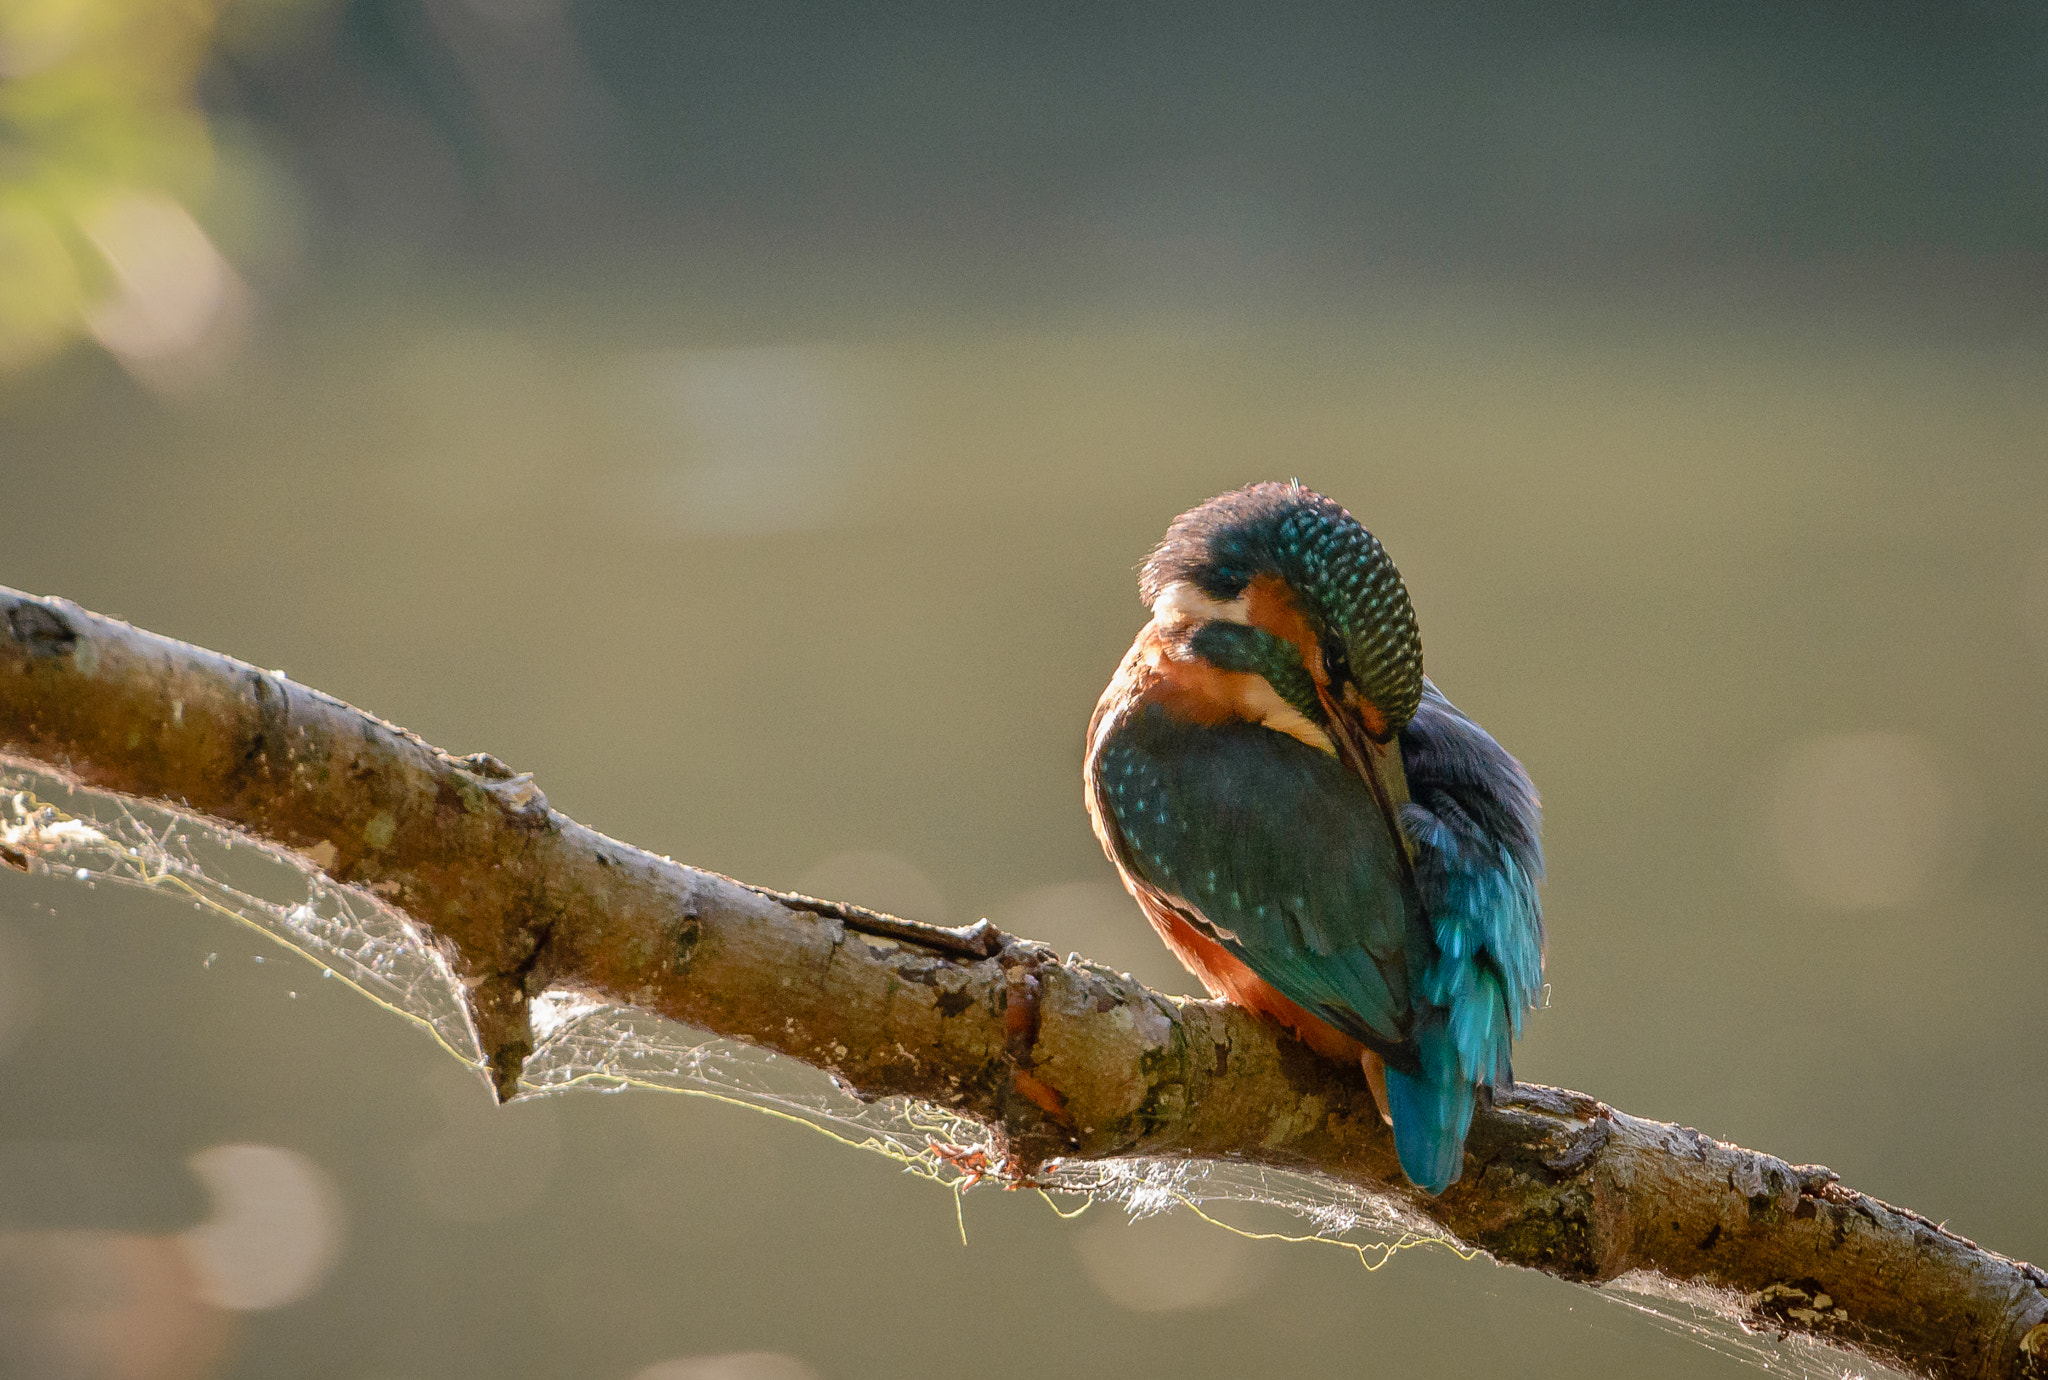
point(1335, 664)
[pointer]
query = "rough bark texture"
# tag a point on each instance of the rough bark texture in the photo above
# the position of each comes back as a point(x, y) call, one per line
point(1061, 1059)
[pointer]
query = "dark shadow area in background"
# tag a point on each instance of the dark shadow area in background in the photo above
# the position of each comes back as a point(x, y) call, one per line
point(1214, 155)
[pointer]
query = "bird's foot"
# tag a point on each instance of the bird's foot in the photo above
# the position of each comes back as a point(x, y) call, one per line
point(1376, 1078)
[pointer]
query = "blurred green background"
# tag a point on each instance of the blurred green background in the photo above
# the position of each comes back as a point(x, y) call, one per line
point(748, 417)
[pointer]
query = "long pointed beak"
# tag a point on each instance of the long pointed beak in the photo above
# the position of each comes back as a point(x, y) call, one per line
point(1355, 749)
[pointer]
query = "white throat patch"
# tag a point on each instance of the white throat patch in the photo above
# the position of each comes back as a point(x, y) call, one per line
point(1181, 602)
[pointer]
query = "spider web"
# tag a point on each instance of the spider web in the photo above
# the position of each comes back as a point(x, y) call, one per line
point(354, 938)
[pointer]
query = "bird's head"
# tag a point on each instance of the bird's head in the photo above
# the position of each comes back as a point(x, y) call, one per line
point(1291, 563)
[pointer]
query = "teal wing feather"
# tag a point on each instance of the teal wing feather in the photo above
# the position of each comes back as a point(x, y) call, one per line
point(1474, 823)
point(1280, 854)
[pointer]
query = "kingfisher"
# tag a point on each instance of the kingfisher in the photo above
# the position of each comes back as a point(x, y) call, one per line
point(1314, 830)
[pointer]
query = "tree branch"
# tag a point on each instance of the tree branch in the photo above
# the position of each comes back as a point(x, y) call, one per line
point(1059, 1059)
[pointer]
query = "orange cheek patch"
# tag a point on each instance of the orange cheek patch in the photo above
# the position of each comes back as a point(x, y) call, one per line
point(1368, 713)
point(1271, 607)
point(1194, 692)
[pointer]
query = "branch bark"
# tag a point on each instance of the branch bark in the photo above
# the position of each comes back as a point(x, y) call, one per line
point(1060, 1059)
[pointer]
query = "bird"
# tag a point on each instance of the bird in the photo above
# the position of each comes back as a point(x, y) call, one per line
point(1314, 830)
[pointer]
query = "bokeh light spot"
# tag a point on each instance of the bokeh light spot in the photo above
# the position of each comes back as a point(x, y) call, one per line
point(177, 304)
point(100, 1305)
point(276, 1227)
point(745, 442)
point(1168, 1263)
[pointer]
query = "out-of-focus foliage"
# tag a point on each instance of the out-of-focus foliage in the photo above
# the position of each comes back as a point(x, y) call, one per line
point(104, 157)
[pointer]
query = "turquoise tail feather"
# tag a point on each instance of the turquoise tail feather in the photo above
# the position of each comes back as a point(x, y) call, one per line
point(1432, 1111)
